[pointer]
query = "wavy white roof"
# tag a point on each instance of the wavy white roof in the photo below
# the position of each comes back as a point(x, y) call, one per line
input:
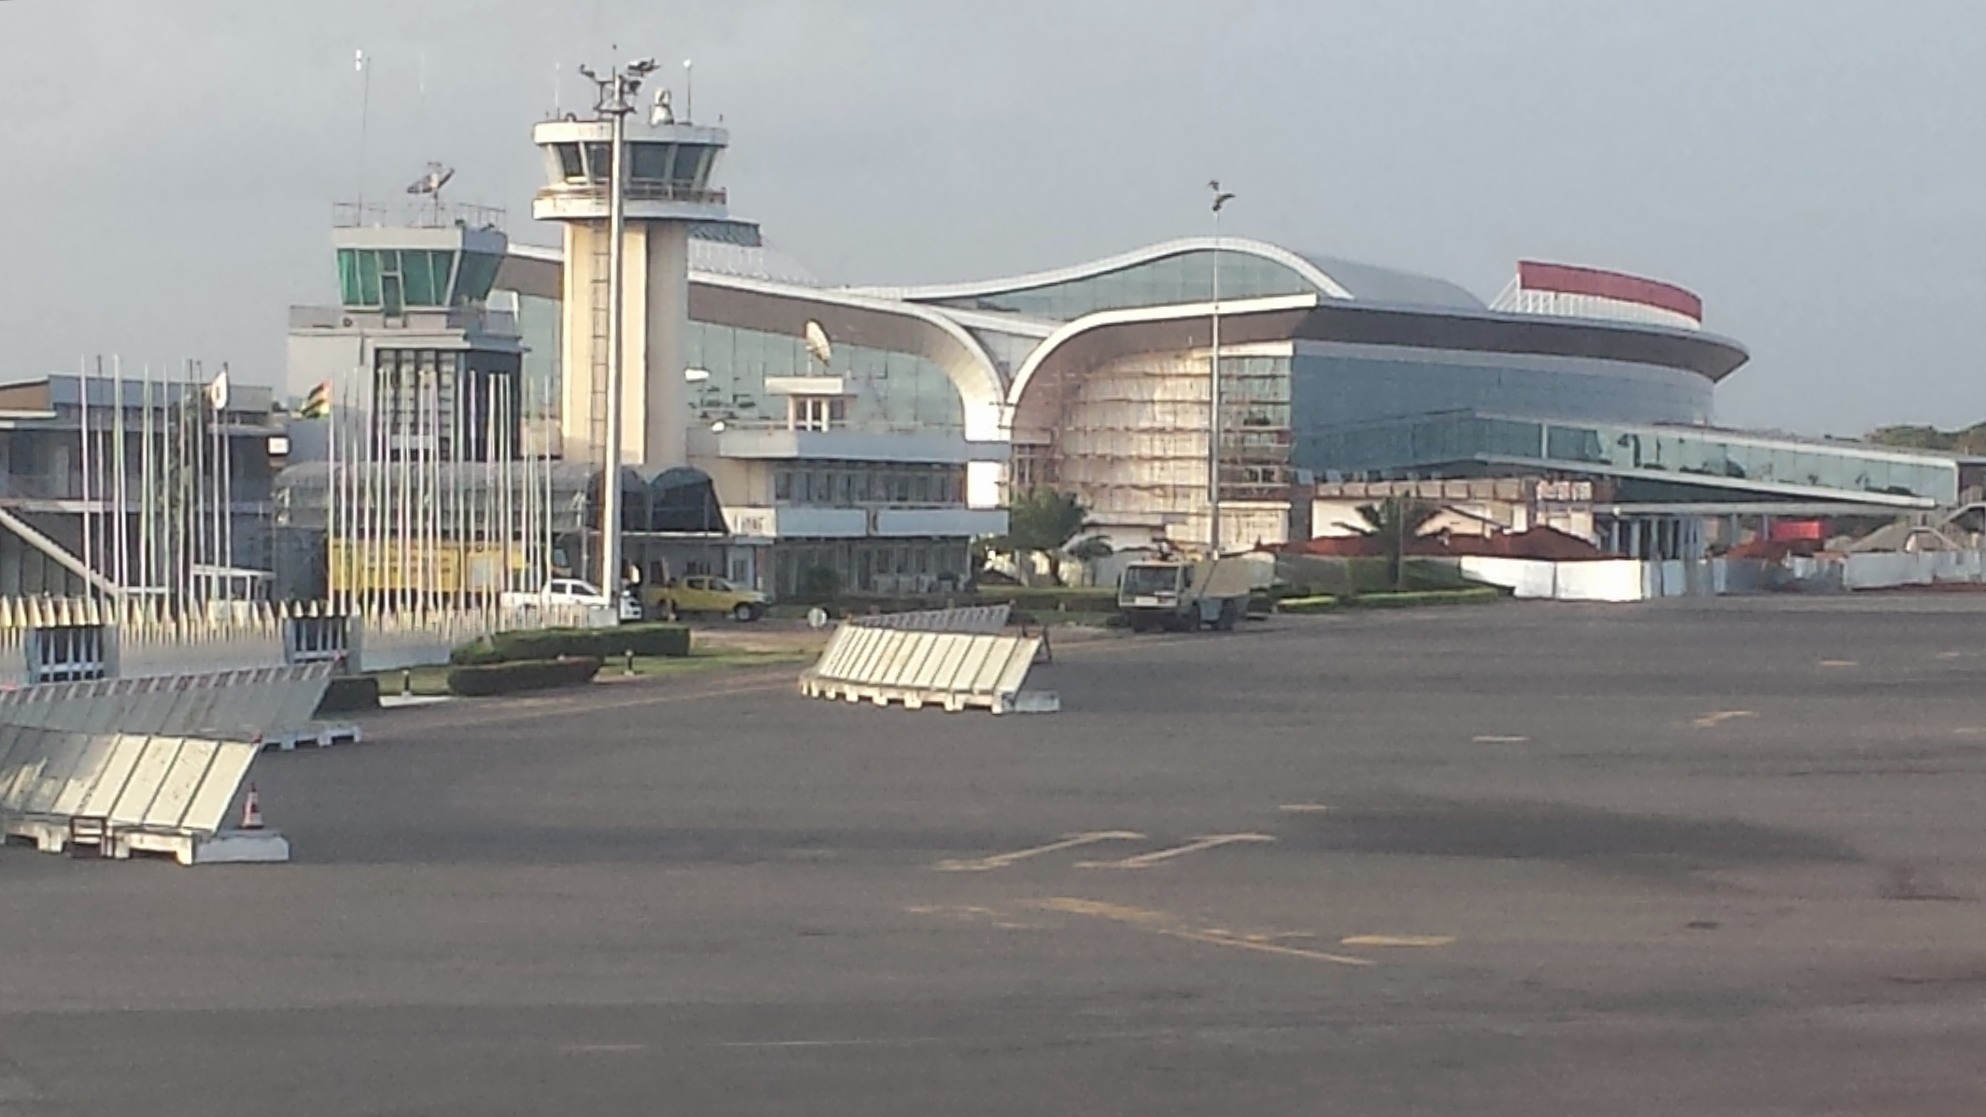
point(1331, 277)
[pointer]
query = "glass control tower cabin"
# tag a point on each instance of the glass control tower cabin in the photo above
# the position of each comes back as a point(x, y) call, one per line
point(412, 319)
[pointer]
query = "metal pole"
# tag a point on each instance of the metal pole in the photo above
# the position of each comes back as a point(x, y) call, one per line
point(1214, 389)
point(617, 105)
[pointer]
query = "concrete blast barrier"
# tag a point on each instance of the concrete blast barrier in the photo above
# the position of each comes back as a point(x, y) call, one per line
point(124, 793)
point(242, 705)
point(952, 670)
point(989, 619)
point(149, 764)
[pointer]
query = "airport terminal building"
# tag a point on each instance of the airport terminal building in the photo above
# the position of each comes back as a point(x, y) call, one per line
point(937, 402)
point(871, 434)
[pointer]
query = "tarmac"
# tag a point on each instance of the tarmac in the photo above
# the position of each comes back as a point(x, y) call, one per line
point(1713, 857)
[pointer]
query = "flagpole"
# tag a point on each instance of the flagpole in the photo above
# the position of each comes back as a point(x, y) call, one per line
point(212, 476)
point(83, 445)
point(402, 424)
point(504, 471)
point(226, 445)
point(463, 559)
point(334, 555)
point(376, 490)
point(117, 464)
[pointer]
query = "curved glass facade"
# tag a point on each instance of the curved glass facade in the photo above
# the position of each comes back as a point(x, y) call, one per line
point(893, 390)
point(1331, 390)
point(1182, 278)
point(1705, 457)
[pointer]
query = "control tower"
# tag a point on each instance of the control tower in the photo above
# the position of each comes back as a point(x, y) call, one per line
point(668, 164)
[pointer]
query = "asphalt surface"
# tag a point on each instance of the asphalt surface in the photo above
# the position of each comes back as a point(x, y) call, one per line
point(1704, 858)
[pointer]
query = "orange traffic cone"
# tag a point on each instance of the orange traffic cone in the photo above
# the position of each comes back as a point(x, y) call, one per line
point(251, 811)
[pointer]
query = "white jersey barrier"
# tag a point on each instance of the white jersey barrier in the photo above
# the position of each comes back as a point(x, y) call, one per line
point(952, 670)
point(989, 619)
point(255, 703)
point(124, 793)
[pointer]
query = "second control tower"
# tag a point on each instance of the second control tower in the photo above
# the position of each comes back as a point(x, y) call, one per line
point(667, 170)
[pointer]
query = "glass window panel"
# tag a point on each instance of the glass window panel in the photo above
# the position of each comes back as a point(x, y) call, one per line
point(599, 163)
point(443, 264)
point(348, 277)
point(417, 279)
point(477, 277)
point(569, 162)
point(648, 162)
point(368, 268)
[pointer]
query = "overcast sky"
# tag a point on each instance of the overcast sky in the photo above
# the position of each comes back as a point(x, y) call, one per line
point(1812, 167)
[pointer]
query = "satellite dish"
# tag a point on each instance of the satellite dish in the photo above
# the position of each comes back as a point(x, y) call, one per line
point(662, 112)
point(432, 182)
point(817, 344)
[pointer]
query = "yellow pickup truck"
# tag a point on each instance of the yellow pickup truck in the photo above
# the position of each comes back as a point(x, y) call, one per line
point(703, 593)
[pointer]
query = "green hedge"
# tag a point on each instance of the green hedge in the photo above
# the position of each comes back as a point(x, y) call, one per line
point(348, 693)
point(511, 678)
point(1477, 596)
point(552, 643)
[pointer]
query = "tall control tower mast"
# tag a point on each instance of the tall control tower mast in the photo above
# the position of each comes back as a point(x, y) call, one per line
point(666, 171)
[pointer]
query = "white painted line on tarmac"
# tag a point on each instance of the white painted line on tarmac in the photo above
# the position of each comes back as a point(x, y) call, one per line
point(1494, 739)
point(1398, 940)
point(1158, 857)
point(1002, 860)
point(1712, 721)
point(1304, 808)
point(1840, 663)
point(602, 1048)
point(805, 1044)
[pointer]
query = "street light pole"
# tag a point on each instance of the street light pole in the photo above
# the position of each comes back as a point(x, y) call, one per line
point(616, 102)
point(1221, 199)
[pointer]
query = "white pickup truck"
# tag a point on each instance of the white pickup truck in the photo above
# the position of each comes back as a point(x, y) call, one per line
point(575, 593)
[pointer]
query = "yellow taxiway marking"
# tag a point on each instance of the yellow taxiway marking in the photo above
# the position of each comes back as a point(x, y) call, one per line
point(1397, 940)
point(1002, 860)
point(1160, 923)
point(1840, 663)
point(1304, 808)
point(1156, 857)
point(1494, 739)
point(1712, 721)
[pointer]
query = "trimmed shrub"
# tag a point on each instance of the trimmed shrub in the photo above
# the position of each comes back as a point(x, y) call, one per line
point(348, 693)
point(553, 643)
point(522, 675)
point(1302, 605)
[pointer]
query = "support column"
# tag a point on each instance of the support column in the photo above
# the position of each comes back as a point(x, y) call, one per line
point(663, 415)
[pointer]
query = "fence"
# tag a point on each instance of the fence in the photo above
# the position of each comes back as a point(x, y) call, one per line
point(143, 639)
point(1629, 580)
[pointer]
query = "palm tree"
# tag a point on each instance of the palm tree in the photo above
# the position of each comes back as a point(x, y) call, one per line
point(1042, 522)
point(1392, 523)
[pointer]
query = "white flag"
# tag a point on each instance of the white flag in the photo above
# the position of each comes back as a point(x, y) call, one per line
point(217, 391)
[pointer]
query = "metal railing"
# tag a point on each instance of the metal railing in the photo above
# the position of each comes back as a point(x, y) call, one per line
point(638, 190)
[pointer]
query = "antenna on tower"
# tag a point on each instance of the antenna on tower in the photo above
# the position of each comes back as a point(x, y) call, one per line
point(430, 184)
